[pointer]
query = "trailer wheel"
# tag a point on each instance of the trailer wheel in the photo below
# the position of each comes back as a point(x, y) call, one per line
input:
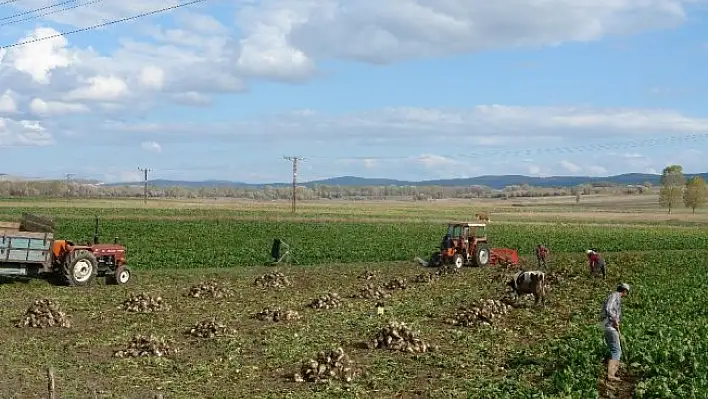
point(481, 255)
point(80, 268)
point(458, 260)
point(121, 276)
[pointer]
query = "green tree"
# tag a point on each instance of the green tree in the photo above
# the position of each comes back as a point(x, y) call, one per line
point(672, 184)
point(696, 193)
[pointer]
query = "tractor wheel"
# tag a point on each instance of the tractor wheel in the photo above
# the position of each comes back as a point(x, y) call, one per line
point(458, 260)
point(481, 255)
point(80, 268)
point(121, 276)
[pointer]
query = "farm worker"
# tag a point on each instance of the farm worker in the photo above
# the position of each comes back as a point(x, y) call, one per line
point(596, 261)
point(541, 253)
point(611, 314)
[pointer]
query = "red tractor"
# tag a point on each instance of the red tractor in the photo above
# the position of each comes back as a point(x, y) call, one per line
point(466, 244)
point(31, 250)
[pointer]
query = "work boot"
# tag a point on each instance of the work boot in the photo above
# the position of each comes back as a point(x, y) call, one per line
point(612, 367)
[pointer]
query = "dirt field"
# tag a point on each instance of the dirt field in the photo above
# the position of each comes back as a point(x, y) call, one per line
point(260, 358)
point(525, 352)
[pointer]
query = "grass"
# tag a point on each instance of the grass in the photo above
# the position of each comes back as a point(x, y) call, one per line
point(557, 351)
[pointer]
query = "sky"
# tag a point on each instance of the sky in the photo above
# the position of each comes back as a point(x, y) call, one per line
point(404, 89)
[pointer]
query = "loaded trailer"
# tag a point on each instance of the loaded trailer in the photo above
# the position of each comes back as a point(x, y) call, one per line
point(29, 249)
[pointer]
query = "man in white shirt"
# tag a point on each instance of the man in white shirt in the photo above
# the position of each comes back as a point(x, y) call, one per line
point(611, 314)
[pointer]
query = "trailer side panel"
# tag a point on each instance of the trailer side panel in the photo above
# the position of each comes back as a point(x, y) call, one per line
point(25, 247)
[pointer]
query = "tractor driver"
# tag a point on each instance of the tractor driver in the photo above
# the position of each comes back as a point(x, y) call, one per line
point(447, 242)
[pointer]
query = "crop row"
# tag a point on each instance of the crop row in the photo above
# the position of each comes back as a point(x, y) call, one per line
point(213, 243)
point(665, 323)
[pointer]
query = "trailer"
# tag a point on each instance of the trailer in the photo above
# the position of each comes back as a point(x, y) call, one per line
point(31, 250)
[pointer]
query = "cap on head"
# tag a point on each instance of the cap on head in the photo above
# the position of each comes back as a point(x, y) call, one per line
point(589, 251)
point(623, 287)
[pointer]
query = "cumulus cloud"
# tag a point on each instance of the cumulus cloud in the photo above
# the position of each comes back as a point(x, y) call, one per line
point(478, 126)
point(151, 146)
point(7, 103)
point(570, 167)
point(40, 107)
point(23, 133)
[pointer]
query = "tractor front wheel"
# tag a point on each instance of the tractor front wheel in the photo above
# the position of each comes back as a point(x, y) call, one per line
point(481, 255)
point(458, 260)
point(121, 276)
point(80, 268)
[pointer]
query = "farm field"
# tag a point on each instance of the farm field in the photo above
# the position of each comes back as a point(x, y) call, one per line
point(526, 351)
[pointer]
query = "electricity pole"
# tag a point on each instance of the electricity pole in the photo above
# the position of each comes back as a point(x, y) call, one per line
point(146, 170)
point(294, 160)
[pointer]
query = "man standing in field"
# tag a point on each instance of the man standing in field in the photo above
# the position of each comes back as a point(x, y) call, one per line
point(596, 261)
point(541, 253)
point(611, 314)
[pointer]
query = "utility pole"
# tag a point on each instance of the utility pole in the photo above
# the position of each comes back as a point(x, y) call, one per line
point(145, 171)
point(294, 160)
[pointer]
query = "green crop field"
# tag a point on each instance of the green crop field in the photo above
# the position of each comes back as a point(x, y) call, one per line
point(525, 352)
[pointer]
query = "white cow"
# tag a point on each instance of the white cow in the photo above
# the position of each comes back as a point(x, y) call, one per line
point(530, 282)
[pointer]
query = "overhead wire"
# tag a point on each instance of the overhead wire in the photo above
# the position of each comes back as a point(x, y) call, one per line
point(492, 152)
point(45, 14)
point(104, 24)
point(38, 9)
point(6, 2)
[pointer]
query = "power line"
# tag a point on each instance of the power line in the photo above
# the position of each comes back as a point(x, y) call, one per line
point(38, 9)
point(44, 14)
point(294, 160)
point(104, 24)
point(600, 147)
point(6, 2)
point(145, 171)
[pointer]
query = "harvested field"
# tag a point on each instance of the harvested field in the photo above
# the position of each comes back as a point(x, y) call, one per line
point(203, 318)
point(259, 359)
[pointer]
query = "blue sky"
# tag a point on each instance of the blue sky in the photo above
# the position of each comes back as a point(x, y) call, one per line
point(407, 89)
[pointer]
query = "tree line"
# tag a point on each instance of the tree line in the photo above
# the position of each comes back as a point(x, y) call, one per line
point(676, 189)
point(59, 189)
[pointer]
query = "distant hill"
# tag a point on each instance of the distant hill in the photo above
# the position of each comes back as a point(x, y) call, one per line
point(496, 182)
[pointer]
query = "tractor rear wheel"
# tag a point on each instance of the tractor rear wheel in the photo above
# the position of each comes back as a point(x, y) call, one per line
point(481, 255)
point(458, 260)
point(80, 268)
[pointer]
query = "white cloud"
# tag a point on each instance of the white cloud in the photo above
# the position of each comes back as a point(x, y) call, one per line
point(152, 77)
point(40, 107)
point(23, 133)
point(570, 167)
point(151, 146)
point(284, 39)
point(596, 170)
point(7, 103)
point(39, 59)
point(468, 128)
point(379, 32)
point(99, 88)
point(192, 98)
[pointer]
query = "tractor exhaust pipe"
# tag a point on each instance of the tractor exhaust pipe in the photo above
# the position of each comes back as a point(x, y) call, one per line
point(95, 233)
